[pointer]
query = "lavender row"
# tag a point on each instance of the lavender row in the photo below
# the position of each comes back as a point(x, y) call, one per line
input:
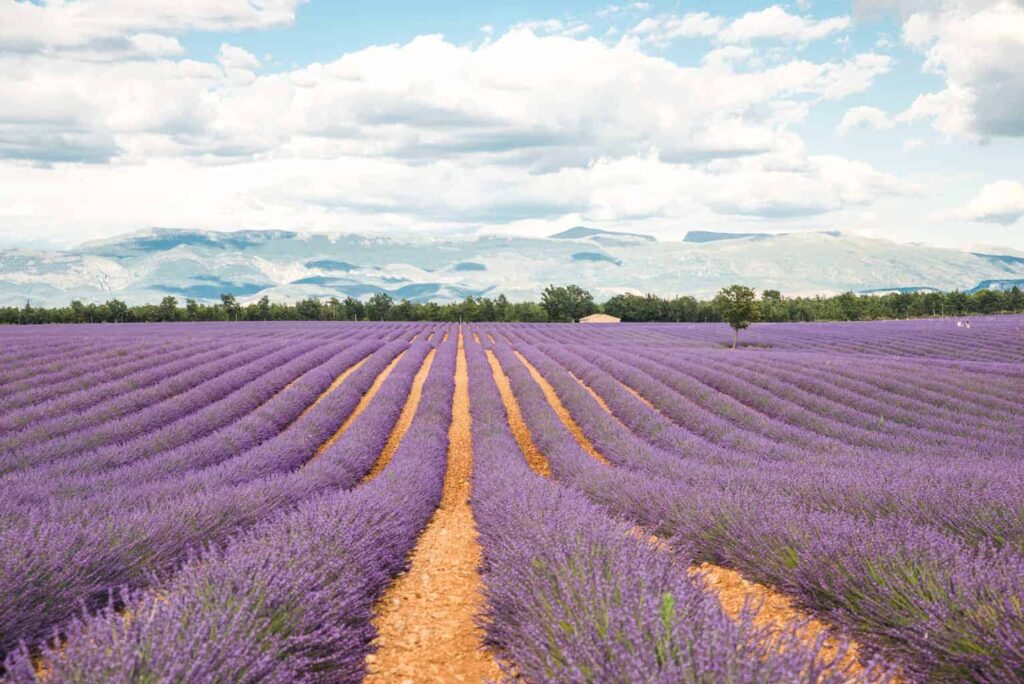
point(572, 596)
point(290, 600)
point(978, 502)
point(145, 370)
point(58, 417)
point(86, 373)
point(940, 608)
point(158, 426)
point(874, 413)
point(51, 566)
point(813, 411)
point(266, 408)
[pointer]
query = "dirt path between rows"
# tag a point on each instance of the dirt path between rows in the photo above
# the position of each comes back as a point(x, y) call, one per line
point(562, 412)
point(361, 406)
point(334, 385)
point(776, 610)
point(536, 460)
point(426, 617)
point(404, 418)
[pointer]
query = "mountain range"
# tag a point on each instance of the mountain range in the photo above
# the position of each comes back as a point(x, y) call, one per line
point(287, 266)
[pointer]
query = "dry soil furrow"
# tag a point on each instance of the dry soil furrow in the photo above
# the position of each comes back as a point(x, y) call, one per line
point(361, 406)
point(404, 418)
point(426, 618)
point(536, 460)
point(563, 413)
point(333, 386)
point(776, 610)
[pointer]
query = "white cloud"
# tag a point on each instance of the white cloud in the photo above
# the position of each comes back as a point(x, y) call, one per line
point(553, 27)
point(976, 45)
point(864, 117)
point(776, 23)
point(773, 23)
point(667, 27)
point(999, 202)
point(532, 125)
point(612, 10)
point(155, 45)
point(64, 24)
point(234, 57)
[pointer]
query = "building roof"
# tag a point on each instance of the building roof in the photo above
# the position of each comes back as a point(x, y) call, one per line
point(599, 318)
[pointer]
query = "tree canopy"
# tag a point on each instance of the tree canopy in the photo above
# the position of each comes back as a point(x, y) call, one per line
point(567, 303)
point(737, 305)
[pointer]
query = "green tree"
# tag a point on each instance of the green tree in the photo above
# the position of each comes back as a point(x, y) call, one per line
point(231, 306)
point(167, 309)
point(771, 301)
point(192, 309)
point(379, 306)
point(309, 309)
point(567, 304)
point(353, 308)
point(737, 306)
point(79, 312)
point(1015, 299)
point(118, 310)
point(262, 309)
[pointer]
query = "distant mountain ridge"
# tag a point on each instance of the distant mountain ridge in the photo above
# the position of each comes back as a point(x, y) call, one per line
point(289, 265)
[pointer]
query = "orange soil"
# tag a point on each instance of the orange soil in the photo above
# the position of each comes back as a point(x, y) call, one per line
point(563, 413)
point(476, 338)
point(361, 406)
point(490, 337)
point(534, 457)
point(776, 610)
point(597, 397)
point(425, 619)
point(404, 418)
point(334, 385)
point(638, 396)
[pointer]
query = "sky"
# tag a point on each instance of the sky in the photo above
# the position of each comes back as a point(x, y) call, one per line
point(896, 119)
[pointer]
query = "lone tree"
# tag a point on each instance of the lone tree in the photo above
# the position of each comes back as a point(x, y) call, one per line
point(736, 305)
point(567, 303)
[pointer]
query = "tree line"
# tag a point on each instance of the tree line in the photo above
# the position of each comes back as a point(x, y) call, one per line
point(557, 303)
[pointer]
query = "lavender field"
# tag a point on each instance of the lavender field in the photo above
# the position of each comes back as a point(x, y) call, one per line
point(339, 502)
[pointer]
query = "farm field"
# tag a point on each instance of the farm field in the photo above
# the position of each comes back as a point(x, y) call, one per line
point(428, 502)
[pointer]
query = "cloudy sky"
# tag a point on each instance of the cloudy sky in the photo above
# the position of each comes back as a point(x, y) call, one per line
point(893, 118)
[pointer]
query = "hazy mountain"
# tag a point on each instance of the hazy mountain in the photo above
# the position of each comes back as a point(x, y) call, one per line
point(288, 265)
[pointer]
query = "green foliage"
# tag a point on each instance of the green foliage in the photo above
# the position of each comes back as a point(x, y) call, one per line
point(738, 307)
point(567, 303)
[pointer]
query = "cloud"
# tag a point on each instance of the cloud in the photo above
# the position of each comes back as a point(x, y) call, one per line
point(64, 25)
point(234, 57)
point(612, 10)
point(771, 23)
point(797, 185)
point(864, 117)
point(999, 202)
point(537, 124)
point(553, 27)
point(975, 45)
point(667, 27)
point(776, 23)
